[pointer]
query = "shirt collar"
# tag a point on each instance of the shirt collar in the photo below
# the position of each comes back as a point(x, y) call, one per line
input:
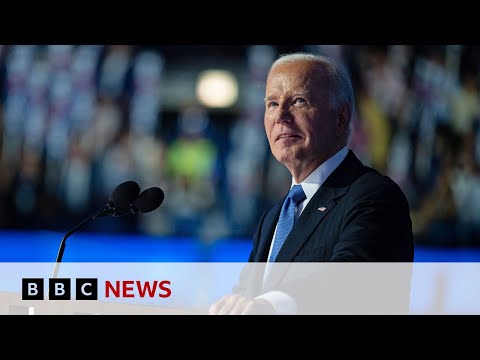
point(313, 181)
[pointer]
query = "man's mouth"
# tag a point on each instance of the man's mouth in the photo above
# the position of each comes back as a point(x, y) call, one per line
point(288, 136)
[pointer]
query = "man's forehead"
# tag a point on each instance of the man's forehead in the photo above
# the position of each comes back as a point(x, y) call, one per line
point(291, 82)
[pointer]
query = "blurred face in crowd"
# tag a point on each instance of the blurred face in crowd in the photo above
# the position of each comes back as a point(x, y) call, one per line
point(303, 129)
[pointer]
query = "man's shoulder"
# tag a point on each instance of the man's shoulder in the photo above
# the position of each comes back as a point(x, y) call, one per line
point(371, 176)
point(376, 184)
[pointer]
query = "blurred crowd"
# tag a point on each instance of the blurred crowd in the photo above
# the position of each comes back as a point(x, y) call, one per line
point(76, 121)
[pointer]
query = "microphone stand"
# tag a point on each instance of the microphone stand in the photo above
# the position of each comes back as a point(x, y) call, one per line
point(106, 210)
point(125, 192)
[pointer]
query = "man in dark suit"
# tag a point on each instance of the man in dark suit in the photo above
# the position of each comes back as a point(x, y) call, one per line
point(337, 210)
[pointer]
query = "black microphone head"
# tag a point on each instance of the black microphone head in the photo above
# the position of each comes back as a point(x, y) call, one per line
point(123, 196)
point(149, 200)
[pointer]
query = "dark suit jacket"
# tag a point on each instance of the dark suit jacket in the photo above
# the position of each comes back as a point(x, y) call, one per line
point(366, 219)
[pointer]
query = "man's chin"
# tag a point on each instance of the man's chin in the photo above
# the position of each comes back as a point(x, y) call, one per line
point(286, 155)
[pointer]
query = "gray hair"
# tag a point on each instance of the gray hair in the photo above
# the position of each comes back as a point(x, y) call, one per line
point(341, 85)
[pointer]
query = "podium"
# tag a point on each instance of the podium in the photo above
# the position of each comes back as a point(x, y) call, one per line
point(12, 304)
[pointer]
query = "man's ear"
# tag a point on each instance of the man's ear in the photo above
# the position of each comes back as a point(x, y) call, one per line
point(343, 117)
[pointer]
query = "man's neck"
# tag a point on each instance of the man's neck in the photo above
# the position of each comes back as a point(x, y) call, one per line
point(300, 173)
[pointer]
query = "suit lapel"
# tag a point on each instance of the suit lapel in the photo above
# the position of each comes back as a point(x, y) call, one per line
point(266, 235)
point(306, 223)
point(320, 206)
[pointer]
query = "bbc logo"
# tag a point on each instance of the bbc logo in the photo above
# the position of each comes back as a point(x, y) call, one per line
point(60, 289)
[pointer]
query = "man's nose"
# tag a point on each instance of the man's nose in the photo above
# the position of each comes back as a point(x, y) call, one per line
point(283, 115)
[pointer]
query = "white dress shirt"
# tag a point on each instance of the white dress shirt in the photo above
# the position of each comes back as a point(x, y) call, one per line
point(283, 303)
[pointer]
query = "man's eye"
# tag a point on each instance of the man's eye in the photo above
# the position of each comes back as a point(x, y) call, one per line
point(300, 101)
point(271, 104)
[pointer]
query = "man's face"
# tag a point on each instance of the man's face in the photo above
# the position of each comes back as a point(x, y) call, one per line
point(301, 127)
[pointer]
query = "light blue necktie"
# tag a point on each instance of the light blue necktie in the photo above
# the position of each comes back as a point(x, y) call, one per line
point(287, 218)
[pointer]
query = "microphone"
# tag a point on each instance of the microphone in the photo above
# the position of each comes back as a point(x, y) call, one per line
point(119, 204)
point(120, 200)
point(147, 201)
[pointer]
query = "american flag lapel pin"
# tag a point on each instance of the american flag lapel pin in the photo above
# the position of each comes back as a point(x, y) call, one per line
point(323, 208)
